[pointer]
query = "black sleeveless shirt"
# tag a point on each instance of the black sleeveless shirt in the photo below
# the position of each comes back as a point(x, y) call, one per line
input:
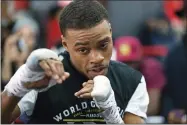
point(58, 105)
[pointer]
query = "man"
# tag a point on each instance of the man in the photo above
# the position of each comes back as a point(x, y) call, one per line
point(19, 42)
point(82, 94)
point(174, 106)
point(130, 51)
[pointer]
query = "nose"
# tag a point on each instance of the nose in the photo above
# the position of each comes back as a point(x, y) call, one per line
point(96, 57)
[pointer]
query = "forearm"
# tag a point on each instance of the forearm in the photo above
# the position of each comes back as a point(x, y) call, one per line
point(9, 103)
point(112, 116)
point(105, 100)
point(154, 101)
point(6, 70)
point(153, 109)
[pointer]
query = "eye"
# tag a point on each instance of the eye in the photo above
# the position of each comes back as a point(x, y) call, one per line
point(83, 50)
point(104, 45)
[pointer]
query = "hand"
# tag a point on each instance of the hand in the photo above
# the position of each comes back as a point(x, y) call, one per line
point(101, 91)
point(11, 52)
point(85, 92)
point(99, 88)
point(55, 69)
point(32, 75)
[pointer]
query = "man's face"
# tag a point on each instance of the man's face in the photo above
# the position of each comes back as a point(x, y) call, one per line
point(90, 49)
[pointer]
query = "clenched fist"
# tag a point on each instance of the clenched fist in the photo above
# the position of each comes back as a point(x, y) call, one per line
point(54, 69)
point(42, 70)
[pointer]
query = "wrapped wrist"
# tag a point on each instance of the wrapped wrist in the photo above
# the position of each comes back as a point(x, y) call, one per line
point(110, 113)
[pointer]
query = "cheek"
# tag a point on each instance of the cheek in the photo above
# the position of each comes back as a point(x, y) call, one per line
point(78, 61)
point(108, 53)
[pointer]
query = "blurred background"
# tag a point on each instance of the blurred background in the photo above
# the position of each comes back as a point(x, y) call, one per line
point(150, 36)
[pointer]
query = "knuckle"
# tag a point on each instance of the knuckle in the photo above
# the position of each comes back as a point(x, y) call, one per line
point(90, 81)
point(50, 61)
point(41, 62)
point(60, 64)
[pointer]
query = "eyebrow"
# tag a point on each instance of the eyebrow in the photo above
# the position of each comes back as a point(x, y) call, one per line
point(81, 43)
point(105, 39)
point(87, 42)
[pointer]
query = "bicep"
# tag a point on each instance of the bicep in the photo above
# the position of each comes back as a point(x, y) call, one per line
point(138, 104)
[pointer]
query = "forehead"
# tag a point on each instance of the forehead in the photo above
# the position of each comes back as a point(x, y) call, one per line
point(100, 30)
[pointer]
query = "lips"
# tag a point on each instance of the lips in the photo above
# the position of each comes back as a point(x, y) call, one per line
point(97, 71)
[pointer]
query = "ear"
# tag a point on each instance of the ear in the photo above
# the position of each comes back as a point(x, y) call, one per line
point(64, 43)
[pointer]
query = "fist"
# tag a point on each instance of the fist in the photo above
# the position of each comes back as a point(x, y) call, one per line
point(47, 61)
point(36, 73)
point(55, 69)
point(99, 88)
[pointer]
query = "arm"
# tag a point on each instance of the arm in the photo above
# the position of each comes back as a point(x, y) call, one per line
point(105, 100)
point(9, 103)
point(155, 81)
point(15, 114)
point(12, 108)
point(10, 55)
point(6, 70)
point(130, 118)
point(154, 104)
point(25, 106)
point(137, 106)
point(26, 79)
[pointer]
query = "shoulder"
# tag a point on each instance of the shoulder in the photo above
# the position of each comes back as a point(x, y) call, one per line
point(124, 79)
point(123, 71)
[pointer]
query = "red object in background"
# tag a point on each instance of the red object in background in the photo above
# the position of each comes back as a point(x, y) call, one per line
point(155, 50)
point(153, 72)
point(53, 33)
point(128, 48)
point(21, 4)
point(170, 7)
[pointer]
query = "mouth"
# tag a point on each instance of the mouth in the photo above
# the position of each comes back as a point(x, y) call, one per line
point(97, 71)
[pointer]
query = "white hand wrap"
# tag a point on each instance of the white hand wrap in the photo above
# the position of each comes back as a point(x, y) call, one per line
point(104, 97)
point(30, 72)
point(37, 55)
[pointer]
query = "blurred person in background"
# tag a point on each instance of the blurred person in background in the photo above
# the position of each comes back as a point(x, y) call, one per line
point(19, 36)
point(157, 31)
point(165, 29)
point(174, 106)
point(170, 7)
point(52, 29)
point(129, 51)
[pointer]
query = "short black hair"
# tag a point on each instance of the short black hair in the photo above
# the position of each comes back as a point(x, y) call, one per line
point(82, 14)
